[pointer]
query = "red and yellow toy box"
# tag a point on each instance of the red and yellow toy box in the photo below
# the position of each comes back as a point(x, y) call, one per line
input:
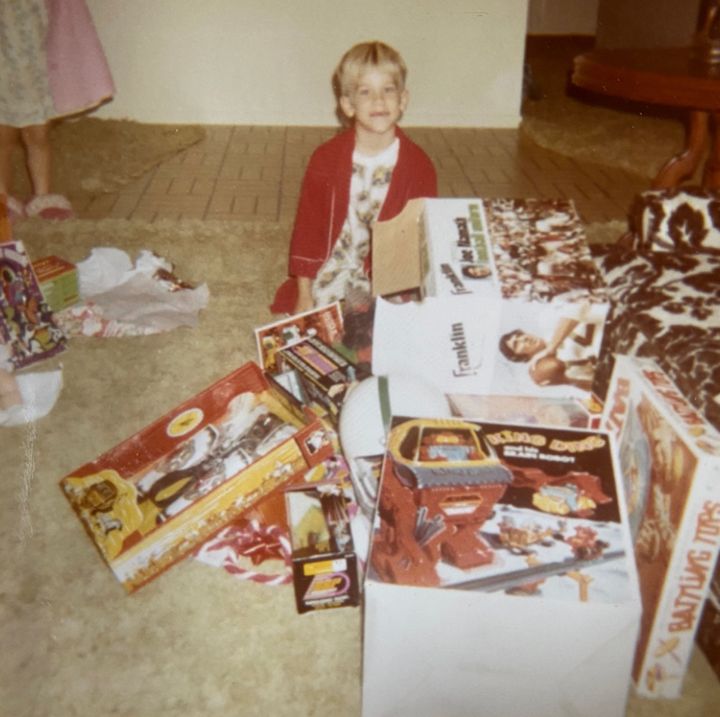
point(153, 499)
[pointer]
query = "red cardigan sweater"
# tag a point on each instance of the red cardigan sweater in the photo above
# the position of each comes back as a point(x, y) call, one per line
point(325, 197)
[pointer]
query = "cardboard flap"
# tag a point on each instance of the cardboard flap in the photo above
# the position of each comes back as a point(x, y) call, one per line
point(396, 251)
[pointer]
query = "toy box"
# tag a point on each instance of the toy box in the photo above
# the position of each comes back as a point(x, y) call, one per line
point(27, 325)
point(670, 463)
point(153, 499)
point(325, 571)
point(511, 300)
point(58, 281)
point(531, 410)
point(325, 375)
point(500, 578)
point(708, 634)
point(324, 323)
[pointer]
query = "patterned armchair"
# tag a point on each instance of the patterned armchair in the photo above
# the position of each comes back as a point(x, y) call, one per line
point(664, 282)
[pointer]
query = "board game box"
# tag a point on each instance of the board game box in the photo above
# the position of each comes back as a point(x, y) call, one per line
point(670, 465)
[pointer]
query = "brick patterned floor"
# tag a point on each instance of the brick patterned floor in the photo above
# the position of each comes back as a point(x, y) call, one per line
point(254, 173)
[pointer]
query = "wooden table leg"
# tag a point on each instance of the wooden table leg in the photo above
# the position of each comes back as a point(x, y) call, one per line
point(683, 165)
point(711, 175)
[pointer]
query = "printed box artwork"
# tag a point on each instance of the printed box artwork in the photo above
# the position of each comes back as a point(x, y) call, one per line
point(517, 535)
point(529, 410)
point(325, 570)
point(324, 374)
point(58, 280)
point(324, 323)
point(26, 323)
point(153, 499)
point(670, 463)
point(512, 301)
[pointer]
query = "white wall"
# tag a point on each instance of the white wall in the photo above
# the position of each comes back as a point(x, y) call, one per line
point(271, 61)
point(563, 17)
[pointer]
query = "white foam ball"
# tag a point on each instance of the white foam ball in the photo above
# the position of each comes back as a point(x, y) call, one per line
point(362, 429)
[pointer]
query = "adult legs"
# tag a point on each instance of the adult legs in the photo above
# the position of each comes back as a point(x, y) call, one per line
point(36, 140)
point(9, 137)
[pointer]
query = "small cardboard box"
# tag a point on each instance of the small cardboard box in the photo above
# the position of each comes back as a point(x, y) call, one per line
point(492, 273)
point(325, 374)
point(58, 281)
point(500, 578)
point(153, 499)
point(27, 325)
point(325, 571)
point(670, 463)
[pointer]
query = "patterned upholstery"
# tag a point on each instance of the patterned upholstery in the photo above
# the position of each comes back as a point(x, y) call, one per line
point(665, 294)
point(677, 220)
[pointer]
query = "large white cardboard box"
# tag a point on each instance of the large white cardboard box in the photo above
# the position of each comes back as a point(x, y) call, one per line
point(489, 271)
point(670, 463)
point(500, 580)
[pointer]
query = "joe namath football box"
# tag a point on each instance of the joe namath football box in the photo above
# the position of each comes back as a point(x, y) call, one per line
point(500, 580)
point(511, 300)
point(156, 497)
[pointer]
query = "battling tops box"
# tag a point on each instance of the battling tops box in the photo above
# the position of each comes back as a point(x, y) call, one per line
point(496, 546)
point(670, 463)
point(153, 499)
point(325, 571)
point(512, 302)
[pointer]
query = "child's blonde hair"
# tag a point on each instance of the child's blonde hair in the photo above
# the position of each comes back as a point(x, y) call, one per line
point(365, 55)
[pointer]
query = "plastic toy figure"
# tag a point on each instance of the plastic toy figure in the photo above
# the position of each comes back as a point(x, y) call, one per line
point(440, 487)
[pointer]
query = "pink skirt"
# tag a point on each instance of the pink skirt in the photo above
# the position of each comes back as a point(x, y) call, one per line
point(78, 74)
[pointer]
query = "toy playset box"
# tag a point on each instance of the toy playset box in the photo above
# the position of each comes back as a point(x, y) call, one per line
point(153, 499)
point(27, 325)
point(670, 464)
point(500, 578)
point(325, 570)
point(511, 300)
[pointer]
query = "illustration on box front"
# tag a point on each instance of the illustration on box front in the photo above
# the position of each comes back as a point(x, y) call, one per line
point(664, 465)
point(26, 322)
point(493, 507)
point(324, 563)
point(150, 500)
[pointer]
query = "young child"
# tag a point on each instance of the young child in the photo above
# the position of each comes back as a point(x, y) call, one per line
point(51, 66)
point(365, 173)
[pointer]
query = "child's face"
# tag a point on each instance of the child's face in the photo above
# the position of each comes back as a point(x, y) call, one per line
point(376, 103)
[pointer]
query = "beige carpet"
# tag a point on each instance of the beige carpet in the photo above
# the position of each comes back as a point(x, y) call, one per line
point(591, 127)
point(196, 642)
point(92, 156)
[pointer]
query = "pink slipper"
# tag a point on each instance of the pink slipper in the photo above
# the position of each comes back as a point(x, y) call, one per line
point(15, 208)
point(49, 206)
